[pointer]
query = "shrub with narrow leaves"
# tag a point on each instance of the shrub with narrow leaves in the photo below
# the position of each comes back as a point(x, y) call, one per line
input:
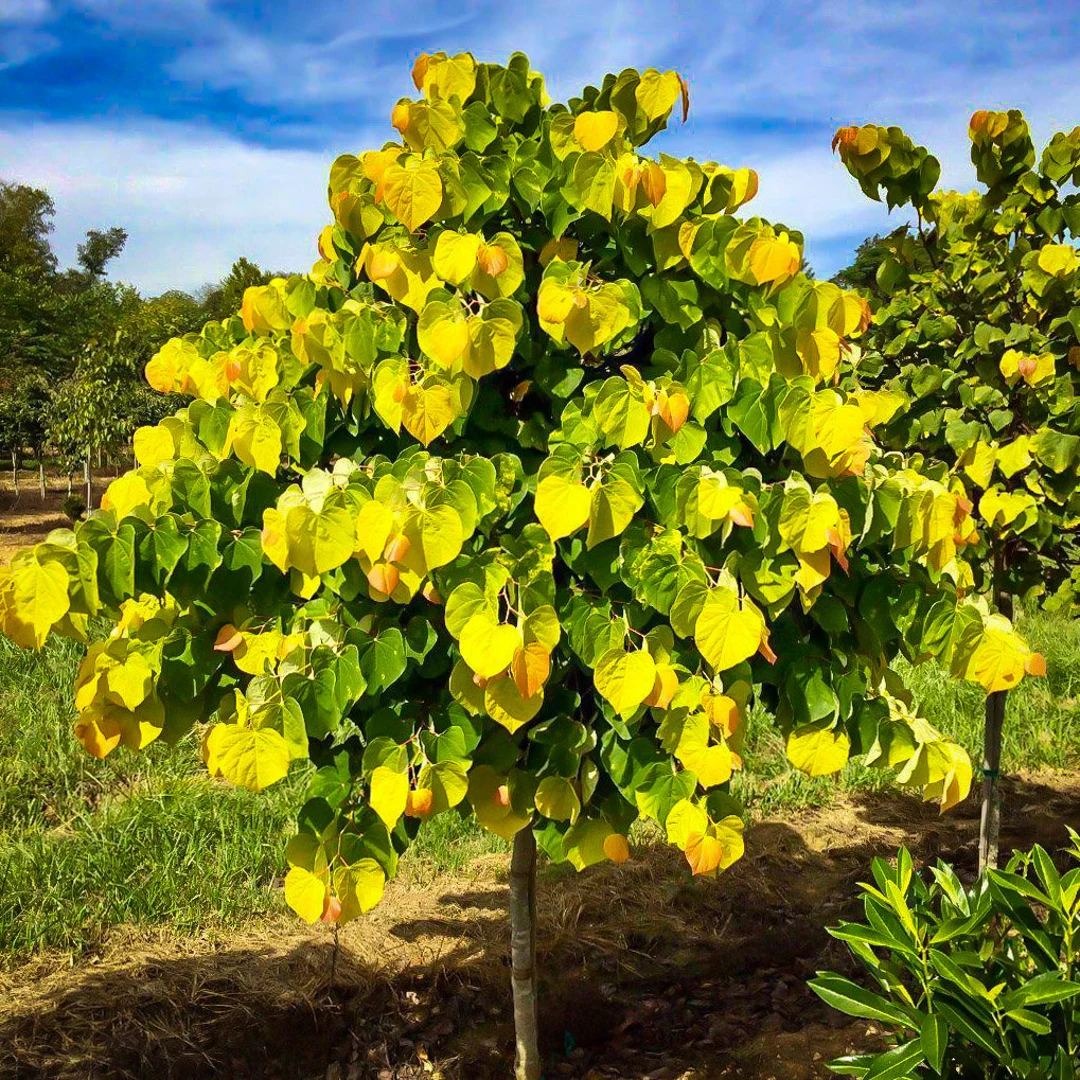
point(517, 503)
point(980, 331)
point(981, 982)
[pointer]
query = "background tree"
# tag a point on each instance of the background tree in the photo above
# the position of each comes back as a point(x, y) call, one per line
point(979, 331)
point(871, 253)
point(516, 504)
point(222, 301)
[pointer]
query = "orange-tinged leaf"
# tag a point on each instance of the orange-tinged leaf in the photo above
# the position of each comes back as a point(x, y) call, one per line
point(384, 578)
point(722, 711)
point(399, 116)
point(228, 638)
point(616, 848)
point(1036, 665)
point(397, 548)
point(530, 668)
point(653, 182)
point(492, 259)
point(382, 264)
point(664, 687)
point(418, 802)
point(704, 853)
point(674, 409)
point(563, 247)
point(765, 649)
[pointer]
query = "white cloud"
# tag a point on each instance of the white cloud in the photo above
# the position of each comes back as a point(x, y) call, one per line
point(24, 11)
point(191, 200)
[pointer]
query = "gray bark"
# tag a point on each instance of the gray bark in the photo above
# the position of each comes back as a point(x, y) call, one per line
point(523, 955)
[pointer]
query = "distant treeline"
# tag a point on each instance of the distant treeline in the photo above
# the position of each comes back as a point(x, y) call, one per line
point(73, 345)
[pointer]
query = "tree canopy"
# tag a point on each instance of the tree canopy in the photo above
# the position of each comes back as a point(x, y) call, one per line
point(979, 329)
point(518, 503)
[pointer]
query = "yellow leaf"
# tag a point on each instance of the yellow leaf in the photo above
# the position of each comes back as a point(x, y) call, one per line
point(625, 679)
point(359, 887)
point(616, 848)
point(819, 751)
point(494, 813)
point(1058, 260)
point(443, 333)
point(728, 631)
point(774, 259)
point(594, 130)
point(252, 758)
point(978, 463)
point(487, 646)
point(125, 494)
point(389, 793)
point(33, 598)
point(999, 659)
point(255, 438)
point(435, 537)
point(505, 705)
point(819, 351)
point(374, 524)
point(562, 506)
point(455, 256)
point(412, 192)
point(305, 893)
point(274, 541)
point(153, 445)
point(168, 368)
point(709, 846)
point(657, 92)
point(427, 411)
point(1014, 456)
point(562, 247)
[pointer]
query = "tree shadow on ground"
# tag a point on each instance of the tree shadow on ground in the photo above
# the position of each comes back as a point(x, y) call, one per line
point(647, 972)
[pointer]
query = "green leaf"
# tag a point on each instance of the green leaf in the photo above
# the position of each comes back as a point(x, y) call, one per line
point(854, 1000)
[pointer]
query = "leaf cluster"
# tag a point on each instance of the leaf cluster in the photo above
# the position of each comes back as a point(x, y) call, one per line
point(979, 329)
point(517, 502)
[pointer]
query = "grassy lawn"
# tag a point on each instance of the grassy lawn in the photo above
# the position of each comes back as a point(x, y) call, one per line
point(147, 839)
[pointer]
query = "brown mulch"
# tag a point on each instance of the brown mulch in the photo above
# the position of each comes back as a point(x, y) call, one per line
point(647, 973)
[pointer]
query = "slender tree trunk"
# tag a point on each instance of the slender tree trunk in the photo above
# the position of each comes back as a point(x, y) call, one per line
point(89, 476)
point(41, 474)
point(523, 954)
point(990, 818)
point(15, 470)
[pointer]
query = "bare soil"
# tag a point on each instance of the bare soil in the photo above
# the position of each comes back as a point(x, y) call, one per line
point(647, 973)
point(26, 518)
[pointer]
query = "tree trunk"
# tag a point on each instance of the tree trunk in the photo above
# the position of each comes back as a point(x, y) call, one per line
point(15, 470)
point(523, 954)
point(990, 818)
point(41, 474)
point(89, 477)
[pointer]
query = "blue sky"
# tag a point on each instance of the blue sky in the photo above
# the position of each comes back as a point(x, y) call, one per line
point(206, 127)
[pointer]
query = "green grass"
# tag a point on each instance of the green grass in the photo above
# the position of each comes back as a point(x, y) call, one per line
point(1042, 724)
point(138, 838)
point(147, 839)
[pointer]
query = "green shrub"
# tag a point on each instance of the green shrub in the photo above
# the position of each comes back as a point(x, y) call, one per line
point(976, 982)
point(73, 506)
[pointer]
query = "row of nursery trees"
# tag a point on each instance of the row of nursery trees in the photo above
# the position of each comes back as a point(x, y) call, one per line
point(555, 465)
point(73, 345)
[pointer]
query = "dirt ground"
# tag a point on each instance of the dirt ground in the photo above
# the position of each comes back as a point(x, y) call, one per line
point(26, 518)
point(647, 973)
